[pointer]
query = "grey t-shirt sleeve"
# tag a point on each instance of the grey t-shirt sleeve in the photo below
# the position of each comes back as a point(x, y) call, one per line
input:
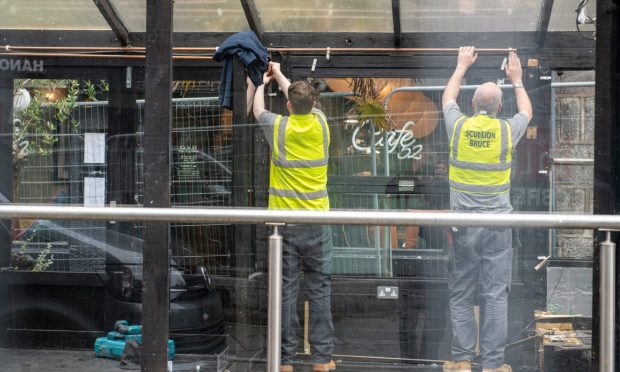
point(518, 125)
point(451, 113)
point(266, 121)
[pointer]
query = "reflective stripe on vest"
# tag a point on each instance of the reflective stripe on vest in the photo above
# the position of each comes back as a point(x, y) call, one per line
point(297, 195)
point(479, 161)
point(281, 160)
point(298, 174)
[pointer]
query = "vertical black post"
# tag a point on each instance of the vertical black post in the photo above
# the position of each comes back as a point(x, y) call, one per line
point(243, 151)
point(242, 197)
point(158, 117)
point(121, 142)
point(6, 192)
point(606, 140)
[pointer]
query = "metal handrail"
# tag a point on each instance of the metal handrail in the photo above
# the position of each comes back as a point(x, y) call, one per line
point(276, 217)
point(335, 217)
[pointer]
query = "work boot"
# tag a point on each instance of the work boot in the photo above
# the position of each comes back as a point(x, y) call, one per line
point(460, 366)
point(286, 368)
point(324, 367)
point(504, 368)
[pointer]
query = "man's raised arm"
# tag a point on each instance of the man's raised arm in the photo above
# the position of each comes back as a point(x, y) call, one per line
point(467, 57)
point(259, 97)
point(249, 95)
point(514, 72)
point(280, 78)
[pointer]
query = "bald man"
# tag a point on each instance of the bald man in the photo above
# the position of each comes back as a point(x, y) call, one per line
point(480, 153)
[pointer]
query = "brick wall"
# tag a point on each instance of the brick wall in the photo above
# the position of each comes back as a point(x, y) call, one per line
point(574, 139)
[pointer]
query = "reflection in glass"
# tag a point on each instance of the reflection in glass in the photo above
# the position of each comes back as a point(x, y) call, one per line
point(326, 15)
point(51, 15)
point(563, 16)
point(469, 15)
point(189, 16)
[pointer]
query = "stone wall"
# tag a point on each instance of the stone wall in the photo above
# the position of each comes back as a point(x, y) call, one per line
point(574, 139)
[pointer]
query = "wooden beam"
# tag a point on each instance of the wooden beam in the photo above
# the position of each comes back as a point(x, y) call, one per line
point(6, 192)
point(58, 38)
point(607, 93)
point(606, 154)
point(114, 21)
point(242, 167)
point(396, 21)
point(520, 40)
point(157, 128)
point(543, 22)
point(251, 14)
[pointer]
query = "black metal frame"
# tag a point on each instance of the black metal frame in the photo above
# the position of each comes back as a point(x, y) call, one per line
point(157, 128)
point(543, 22)
point(554, 49)
point(251, 14)
point(396, 23)
point(114, 21)
point(607, 141)
point(394, 39)
point(6, 164)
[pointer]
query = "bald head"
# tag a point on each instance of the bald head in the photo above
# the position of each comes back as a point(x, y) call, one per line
point(488, 97)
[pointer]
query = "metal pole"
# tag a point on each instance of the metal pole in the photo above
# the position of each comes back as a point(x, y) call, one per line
point(274, 322)
point(335, 217)
point(438, 88)
point(375, 197)
point(552, 251)
point(607, 302)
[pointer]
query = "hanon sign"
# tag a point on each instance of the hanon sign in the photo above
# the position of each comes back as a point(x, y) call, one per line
point(21, 65)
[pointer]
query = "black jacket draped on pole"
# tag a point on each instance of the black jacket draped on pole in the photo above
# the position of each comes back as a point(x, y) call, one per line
point(252, 54)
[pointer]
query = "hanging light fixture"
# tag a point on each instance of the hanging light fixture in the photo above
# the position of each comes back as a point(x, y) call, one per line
point(21, 100)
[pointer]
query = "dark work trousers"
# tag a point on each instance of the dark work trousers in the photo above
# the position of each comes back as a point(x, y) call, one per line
point(480, 257)
point(307, 248)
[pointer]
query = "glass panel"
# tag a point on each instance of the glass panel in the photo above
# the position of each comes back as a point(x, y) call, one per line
point(326, 15)
point(59, 137)
point(563, 16)
point(469, 15)
point(51, 15)
point(63, 144)
point(200, 173)
point(392, 291)
point(189, 15)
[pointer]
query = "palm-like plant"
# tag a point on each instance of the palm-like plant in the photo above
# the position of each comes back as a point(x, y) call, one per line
point(368, 105)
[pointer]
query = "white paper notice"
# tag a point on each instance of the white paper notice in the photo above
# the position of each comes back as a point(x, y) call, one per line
point(94, 148)
point(94, 191)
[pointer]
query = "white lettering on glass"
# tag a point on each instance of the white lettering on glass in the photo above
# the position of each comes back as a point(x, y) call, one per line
point(400, 141)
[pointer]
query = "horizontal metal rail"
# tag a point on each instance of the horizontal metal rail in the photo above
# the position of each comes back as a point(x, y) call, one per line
point(358, 217)
point(142, 101)
point(572, 161)
point(335, 217)
point(435, 88)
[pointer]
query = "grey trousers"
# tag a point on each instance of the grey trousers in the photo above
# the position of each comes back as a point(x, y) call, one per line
point(480, 256)
point(307, 248)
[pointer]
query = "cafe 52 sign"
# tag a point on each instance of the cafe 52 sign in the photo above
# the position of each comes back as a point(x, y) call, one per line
point(399, 141)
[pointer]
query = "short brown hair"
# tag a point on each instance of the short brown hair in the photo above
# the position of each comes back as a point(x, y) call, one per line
point(302, 96)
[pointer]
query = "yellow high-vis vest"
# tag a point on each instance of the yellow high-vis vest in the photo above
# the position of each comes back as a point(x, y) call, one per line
point(480, 155)
point(298, 173)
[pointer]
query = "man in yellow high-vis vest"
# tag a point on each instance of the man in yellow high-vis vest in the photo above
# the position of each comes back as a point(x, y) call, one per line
point(298, 180)
point(480, 154)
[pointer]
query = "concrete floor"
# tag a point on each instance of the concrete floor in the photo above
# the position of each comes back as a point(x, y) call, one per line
point(31, 360)
point(37, 360)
